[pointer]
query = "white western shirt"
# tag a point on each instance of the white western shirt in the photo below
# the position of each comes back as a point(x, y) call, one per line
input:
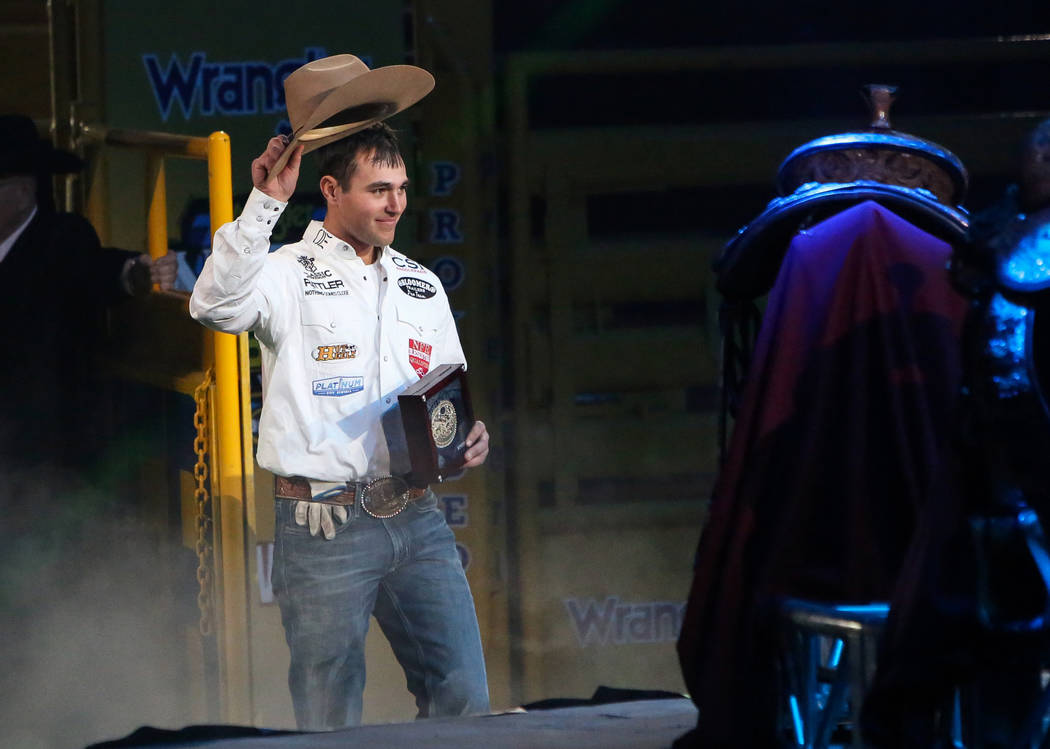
point(339, 340)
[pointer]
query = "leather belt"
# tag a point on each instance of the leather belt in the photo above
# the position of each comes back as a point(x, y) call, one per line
point(298, 488)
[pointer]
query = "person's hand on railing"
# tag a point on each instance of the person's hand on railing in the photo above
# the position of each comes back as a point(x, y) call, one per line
point(280, 185)
point(163, 270)
point(142, 272)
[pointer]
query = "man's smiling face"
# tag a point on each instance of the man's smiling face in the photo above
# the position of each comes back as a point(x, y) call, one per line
point(366, 214)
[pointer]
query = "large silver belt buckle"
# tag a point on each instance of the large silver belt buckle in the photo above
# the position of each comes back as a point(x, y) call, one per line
point(384, 497)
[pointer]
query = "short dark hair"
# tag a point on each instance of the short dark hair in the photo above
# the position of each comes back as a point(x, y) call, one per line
point(339, 159)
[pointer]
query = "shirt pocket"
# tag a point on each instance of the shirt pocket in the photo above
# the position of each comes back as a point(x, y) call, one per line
point(418, 320)
point(327, 343)
point(320, 323)
point(419, 335)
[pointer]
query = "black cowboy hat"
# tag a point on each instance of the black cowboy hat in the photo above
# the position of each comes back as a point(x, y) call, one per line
point(23, 151)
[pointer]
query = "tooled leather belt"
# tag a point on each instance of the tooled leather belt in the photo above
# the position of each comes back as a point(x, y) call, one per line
point(380, 498)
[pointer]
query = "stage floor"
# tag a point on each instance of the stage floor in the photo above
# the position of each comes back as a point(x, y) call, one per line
point(644, 724)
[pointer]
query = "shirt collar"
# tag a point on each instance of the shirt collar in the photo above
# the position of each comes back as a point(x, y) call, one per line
point(7, 244)
point(320, 237)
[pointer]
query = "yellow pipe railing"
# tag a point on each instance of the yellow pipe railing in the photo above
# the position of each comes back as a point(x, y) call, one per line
point(157, 212)
point(232, 466)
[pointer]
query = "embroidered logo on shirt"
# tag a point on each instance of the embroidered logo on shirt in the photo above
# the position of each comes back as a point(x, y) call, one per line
point(403, 263)
point(320, 238)
point(311, 268)
point(419, 356)
point(335, 352)
point(337, 386)
point(327, 288)
point(416, 287)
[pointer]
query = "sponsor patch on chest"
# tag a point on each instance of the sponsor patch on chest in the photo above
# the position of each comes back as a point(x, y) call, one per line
point(403, 263)
point(320, 281)
point(332, 287)
point(310, 269)
point(416, 288)
point(335, 352)
point(419, 355)
point(337, 386)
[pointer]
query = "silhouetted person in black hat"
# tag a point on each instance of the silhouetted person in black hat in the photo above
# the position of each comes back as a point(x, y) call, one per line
point(55, 280)
point(63, 467)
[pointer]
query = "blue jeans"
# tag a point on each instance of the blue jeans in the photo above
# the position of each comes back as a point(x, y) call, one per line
point(405, 571)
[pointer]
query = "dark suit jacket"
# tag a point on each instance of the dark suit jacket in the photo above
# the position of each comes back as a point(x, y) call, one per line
point(54, 285)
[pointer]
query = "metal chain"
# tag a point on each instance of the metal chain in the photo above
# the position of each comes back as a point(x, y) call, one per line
point(204, 524)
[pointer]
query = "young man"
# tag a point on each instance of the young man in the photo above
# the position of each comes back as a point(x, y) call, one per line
point(342, 320)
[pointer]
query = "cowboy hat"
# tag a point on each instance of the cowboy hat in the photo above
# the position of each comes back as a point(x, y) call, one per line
point(336, 96)
point(23, 151)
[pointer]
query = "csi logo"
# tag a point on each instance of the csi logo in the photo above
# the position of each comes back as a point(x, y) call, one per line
point(405, 264)
point(335, 352)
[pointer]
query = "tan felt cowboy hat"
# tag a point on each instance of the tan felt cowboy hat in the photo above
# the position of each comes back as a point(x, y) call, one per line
point(336, 96)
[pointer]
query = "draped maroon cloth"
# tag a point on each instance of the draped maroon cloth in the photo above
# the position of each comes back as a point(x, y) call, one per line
point(854, 375)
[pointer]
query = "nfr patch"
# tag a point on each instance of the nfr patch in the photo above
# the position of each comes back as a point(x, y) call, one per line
point(419, 353)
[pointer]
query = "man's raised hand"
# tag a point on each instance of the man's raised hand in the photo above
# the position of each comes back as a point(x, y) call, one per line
point(281, 185)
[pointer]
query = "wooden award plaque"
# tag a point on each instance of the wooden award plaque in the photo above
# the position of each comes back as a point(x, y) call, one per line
point(437, 416)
